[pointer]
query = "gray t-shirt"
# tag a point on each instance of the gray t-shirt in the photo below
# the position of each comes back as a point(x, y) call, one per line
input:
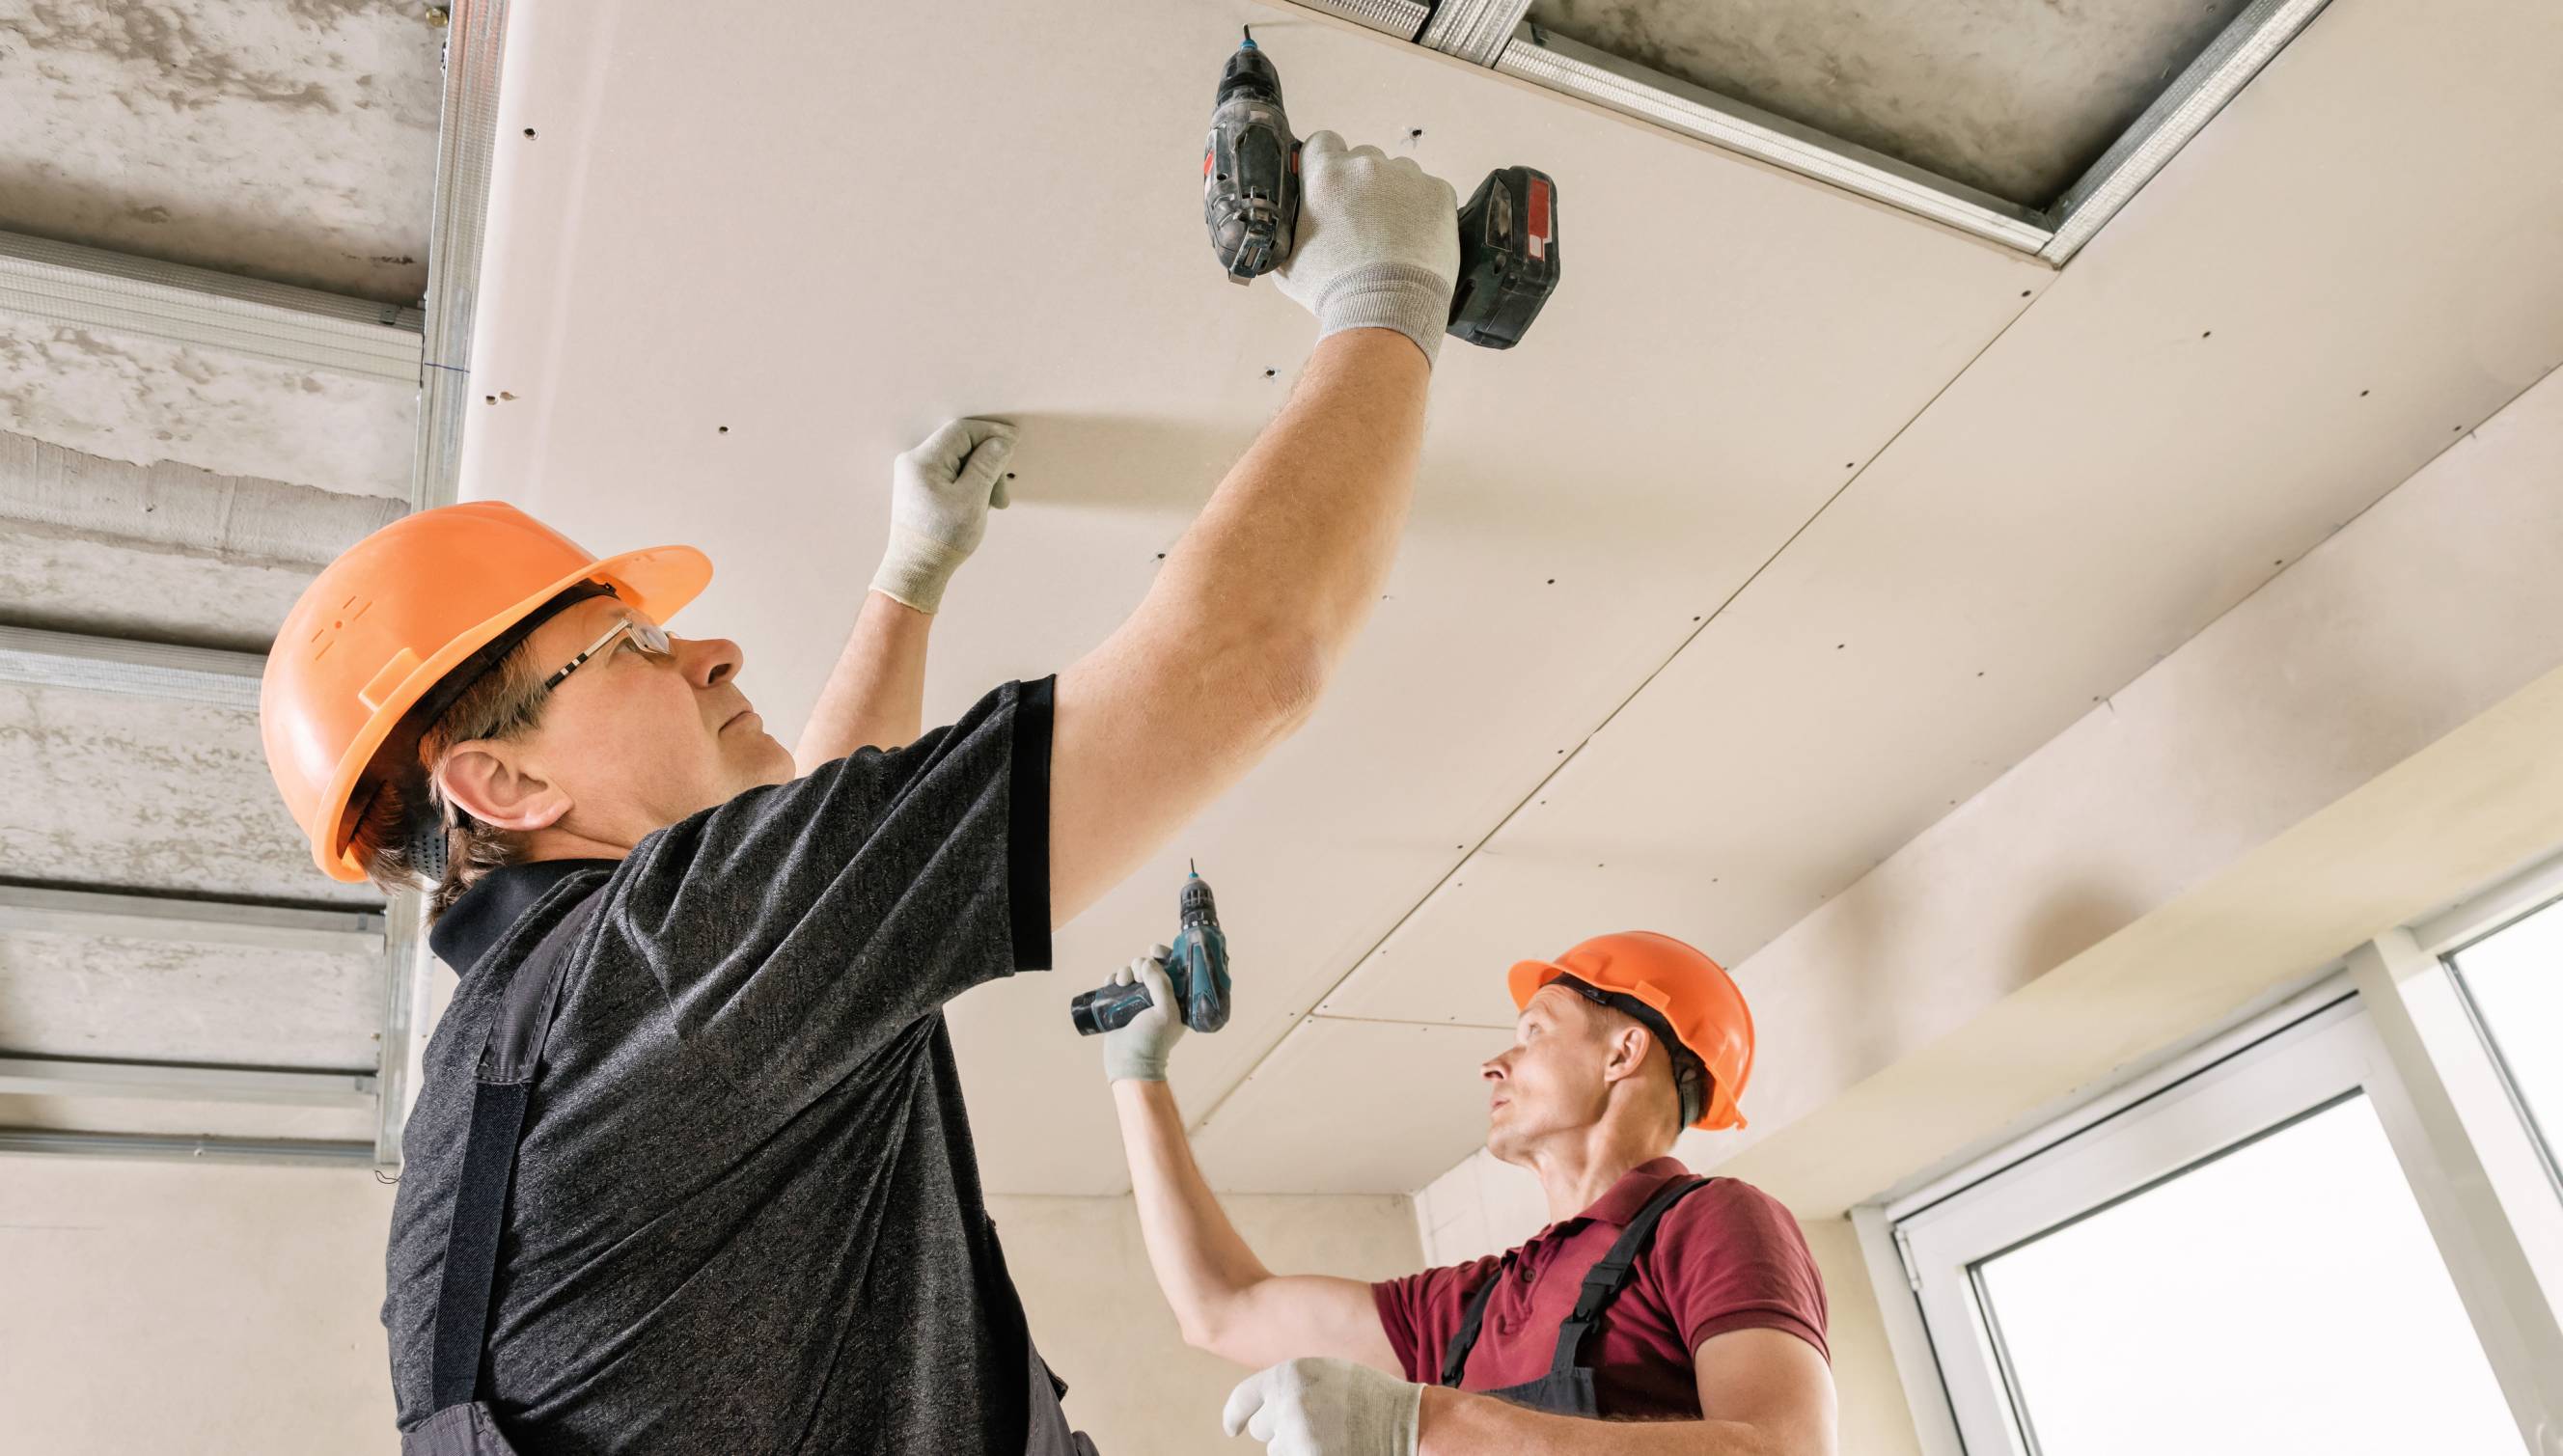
point(745, 1215)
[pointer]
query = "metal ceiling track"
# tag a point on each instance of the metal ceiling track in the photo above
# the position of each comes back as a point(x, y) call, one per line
point(144, 670)
point(90, 287)
point(60, 910)
point(185, 1149)
point(1494, 34)
point(43, 1076)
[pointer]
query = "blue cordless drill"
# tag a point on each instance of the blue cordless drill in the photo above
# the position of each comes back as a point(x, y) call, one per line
point(1198, 967)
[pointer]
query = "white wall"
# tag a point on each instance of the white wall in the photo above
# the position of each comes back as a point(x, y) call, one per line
point(150, 1307)
point(1095, 1312)
point(198, 1308)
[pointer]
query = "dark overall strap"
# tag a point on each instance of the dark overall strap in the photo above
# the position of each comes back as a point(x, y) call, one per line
point(1465, 1338)
point(500, 1088)
point(1612, 1273)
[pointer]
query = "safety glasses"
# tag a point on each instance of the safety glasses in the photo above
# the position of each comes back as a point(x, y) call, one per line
point(649, 637)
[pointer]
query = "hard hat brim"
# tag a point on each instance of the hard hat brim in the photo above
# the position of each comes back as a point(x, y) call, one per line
point(657, 583)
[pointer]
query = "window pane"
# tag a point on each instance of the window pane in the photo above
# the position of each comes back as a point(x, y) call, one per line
point(2285, 1297)
point(2516, 980)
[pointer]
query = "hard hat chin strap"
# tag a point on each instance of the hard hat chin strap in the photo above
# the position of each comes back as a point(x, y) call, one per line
point(1690, 1075)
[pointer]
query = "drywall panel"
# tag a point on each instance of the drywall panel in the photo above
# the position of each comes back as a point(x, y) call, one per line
point(140, 400)
point(1097, 1315)
point(718, 322)
point(282, 139)
point(119, 791)
point(168, 1001)
point(1351, 1107)
point(2194, 405)
point(2014, 96)
point(173, 1307)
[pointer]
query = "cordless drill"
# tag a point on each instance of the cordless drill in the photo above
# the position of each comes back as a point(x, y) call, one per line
point(1508, 259)
point(1198, 967)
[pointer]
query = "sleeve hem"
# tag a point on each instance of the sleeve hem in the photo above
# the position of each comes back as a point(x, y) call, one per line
point(1786, 1324)
point(1028, 826)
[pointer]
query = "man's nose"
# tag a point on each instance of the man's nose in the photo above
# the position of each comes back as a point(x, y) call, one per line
point(1493, 1068)
point(707, 660)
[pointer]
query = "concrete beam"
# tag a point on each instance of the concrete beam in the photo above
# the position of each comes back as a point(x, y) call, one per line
point(147, 670)
point(90, 287)
point(36, 1076)
point(179, 506)
point(62, 911)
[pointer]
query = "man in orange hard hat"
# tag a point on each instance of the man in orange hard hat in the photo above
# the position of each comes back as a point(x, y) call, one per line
point(690, 1169)
point(1658, 1312)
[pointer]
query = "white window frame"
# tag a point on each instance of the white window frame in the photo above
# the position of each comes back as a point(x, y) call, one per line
point(2390, 1022)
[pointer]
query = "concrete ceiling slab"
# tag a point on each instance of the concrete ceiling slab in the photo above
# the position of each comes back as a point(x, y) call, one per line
point(165, 1001)
point(2191, 408)
point(2016, 97)
point(1301, 1123)
point(63, 581)
point(141, 400)
point(133, 792)
point(293, 140)
point(1731, 343)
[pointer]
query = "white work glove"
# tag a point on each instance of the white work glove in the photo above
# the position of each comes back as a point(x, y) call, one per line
point(1378, 242)
point(1137, 1052)
point(940, 495)
point(1327, 1407)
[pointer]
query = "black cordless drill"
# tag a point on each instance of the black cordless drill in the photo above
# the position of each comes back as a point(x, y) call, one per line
point(1198, 967)
point(1508, 259)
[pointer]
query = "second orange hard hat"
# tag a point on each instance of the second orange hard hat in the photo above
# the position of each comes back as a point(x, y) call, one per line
point(1665, 980)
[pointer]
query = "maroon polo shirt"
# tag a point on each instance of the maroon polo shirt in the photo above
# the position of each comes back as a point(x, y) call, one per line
point(1725, 1257)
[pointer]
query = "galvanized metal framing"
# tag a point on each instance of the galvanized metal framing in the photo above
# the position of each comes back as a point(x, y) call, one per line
point(1475, 31)
point(40, 1076)
point(90, 287)
point(185, 1149)
point(145, 670)
point(48, 909)
point(474, 46)
point(1402, 19)
point(1491, 33)
point(1580, 70)
point(2218, 75)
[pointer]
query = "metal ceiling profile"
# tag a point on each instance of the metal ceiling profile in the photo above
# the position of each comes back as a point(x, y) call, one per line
point(144, 669)
point(1494, 34)
point(46, 909)
point(60, 282)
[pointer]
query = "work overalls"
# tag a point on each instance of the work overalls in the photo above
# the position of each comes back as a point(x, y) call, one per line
point(1567, 1388)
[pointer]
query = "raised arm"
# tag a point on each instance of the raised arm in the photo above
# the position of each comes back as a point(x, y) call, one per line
point(1224, 1299)
point(941, 495)
point(1255, 605)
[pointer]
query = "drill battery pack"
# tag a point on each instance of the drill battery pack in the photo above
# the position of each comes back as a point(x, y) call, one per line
point(1508, 256)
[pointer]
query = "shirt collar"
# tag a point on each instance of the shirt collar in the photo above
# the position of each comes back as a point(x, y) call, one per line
point(492, 907)
point(1634, 1188)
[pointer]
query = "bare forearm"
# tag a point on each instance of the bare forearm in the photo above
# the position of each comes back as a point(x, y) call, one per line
point(876, 695)
point(1460, 1424)
point(1202, 1264)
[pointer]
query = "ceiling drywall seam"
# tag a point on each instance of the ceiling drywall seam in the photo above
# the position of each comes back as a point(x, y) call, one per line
point(475, 45)
point(1509, 816)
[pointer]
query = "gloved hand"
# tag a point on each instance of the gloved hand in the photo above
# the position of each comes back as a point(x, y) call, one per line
point(1137, 1052)
point(1378, 242)
point(1327, 1407)
point(940, 495)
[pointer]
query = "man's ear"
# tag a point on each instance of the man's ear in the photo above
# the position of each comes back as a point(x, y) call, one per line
point(484, 781)
point(1628, 1047)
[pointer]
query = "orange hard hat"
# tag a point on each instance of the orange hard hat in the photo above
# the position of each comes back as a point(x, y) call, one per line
point(386, 621)
point(1679, 992)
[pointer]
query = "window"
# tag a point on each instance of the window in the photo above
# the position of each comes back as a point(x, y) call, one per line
point(2230, 1261)
point(2513, 981)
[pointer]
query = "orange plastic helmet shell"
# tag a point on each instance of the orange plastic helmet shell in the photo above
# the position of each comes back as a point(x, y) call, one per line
point(1693, 993)
point(385, 621)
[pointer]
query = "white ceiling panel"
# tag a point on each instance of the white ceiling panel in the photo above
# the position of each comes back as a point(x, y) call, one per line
point(1352, 1107)
point(827, 247)
point(2267, 340)
point(168, 1001)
